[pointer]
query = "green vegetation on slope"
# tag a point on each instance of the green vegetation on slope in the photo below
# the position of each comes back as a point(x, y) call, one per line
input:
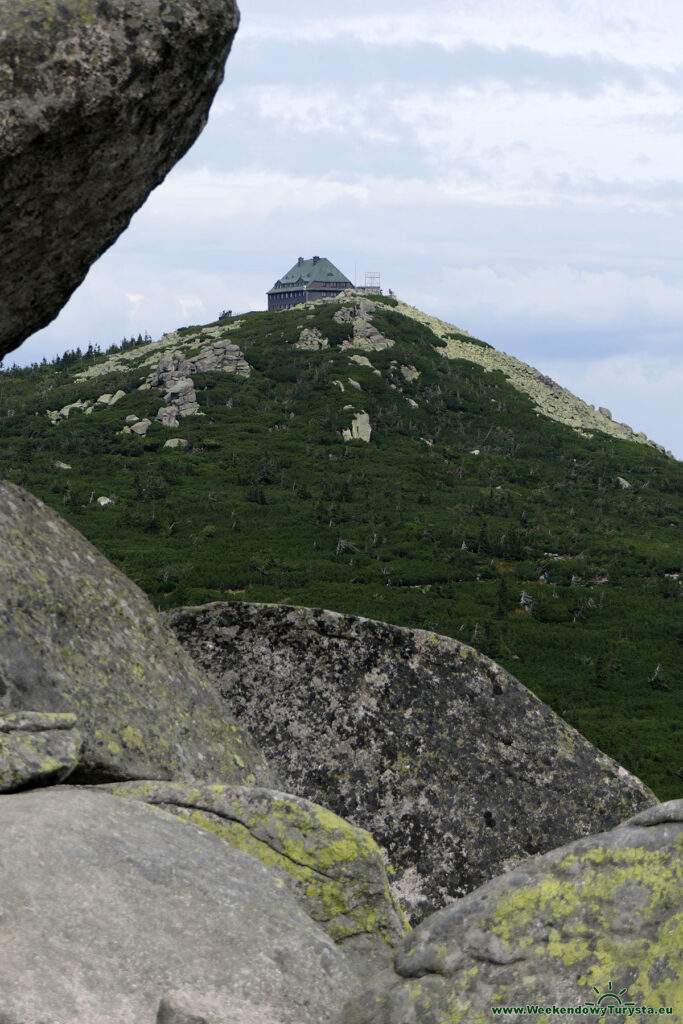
point(464, 500)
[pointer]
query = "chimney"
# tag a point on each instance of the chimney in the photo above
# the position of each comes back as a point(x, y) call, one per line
point(300, 260)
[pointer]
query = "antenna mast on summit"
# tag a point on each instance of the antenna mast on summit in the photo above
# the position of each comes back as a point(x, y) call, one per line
point(373, 280)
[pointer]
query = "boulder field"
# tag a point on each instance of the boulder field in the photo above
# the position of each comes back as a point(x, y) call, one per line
point(180, 886)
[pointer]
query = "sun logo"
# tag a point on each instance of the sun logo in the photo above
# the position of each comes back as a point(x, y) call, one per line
point(609, 997)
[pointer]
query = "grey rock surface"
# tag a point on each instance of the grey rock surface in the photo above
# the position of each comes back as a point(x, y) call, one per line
point(334, 870)
point(168, 416)
point(574, 928)
point(110, 905)
point(97, 103)
point(77, 636)
point(37, 749)
point(141, 427)
point(452, 765)
point(215, 1007)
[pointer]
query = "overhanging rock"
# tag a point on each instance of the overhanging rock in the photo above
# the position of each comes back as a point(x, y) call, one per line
point(97, 103)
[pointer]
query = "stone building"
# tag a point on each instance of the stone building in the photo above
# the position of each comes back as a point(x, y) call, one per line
point(307, 281)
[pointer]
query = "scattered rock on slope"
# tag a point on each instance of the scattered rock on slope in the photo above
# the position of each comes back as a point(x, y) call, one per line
point(573, 928)
point(109, 906)
point(452, 765)
point(97, 102)
point(77, 636)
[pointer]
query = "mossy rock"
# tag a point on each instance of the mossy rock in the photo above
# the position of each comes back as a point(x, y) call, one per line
point(77, 636)
point(37, 749)
point(598, 922)
point(334, 869)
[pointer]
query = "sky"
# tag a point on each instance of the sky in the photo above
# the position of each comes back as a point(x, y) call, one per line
point(515, 169)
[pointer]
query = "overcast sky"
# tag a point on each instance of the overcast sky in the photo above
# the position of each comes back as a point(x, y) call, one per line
point(516, 169)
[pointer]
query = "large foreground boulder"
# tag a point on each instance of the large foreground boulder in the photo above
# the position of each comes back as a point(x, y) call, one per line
point(596, 927)
point(97, 102)
point(77, 636)
point(452, 765)
point(334, 869)
point(110, 907)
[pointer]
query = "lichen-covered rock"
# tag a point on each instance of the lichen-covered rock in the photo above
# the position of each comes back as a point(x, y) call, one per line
point(334, 870)
point(77, 636)
point(97, 102)
point(598, 922)
point(450, 763)
point(37, 749)
point(109, 905)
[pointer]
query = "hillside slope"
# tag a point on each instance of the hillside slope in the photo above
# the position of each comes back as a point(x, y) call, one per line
point(362, 456)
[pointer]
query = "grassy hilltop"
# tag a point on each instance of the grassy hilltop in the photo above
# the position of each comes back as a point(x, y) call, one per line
point(488, 504)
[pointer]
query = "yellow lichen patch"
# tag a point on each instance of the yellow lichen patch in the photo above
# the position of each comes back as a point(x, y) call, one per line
point(334, 869)
point(132, 737)
point(654, 880)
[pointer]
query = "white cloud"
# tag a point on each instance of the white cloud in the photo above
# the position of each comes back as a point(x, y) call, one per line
point(202, 198)
point(488, 143)
point(561, 298)
point(628, 30)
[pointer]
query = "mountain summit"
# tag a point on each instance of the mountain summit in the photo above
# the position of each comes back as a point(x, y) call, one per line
point(360, 455)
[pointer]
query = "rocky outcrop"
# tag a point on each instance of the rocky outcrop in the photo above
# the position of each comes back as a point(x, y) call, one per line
point(111, 907)
point(453, 766)
point(77, 636)
point(171, 373)
point(37, 749)
point(335, 871)
point(311, 338)
point(596, 924)
point(97, 102)
point(222, 355)
point(358, 312)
